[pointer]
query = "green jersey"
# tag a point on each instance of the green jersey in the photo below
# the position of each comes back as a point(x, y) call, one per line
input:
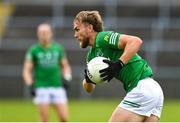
point(46, 61)
point(106, 45)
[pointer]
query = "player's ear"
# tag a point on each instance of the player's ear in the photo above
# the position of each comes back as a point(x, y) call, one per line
point(90, 27)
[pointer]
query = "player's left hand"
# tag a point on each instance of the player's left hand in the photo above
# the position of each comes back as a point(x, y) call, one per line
point(66, 81)
point(66, 85)
point(32, 90)
point(112, 70)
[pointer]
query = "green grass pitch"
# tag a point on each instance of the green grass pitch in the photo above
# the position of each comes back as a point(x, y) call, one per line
point(98, 110)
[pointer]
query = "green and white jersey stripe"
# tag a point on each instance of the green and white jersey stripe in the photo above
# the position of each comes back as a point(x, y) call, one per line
point(132, 104)
point(106, 45)
point(113, 38)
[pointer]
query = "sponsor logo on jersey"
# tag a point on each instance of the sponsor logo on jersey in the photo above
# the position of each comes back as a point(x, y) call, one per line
point(47, 59)
point(40, 55)
point(106, 37)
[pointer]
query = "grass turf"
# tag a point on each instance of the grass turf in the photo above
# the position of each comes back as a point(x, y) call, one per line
point(96, 110)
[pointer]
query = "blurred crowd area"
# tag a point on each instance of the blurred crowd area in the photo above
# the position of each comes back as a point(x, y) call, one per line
point(157, 22)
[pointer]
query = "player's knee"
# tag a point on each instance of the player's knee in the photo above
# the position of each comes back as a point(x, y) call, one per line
point(64, 119)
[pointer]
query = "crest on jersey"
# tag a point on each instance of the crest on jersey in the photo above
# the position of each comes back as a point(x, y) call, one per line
point(40, 55)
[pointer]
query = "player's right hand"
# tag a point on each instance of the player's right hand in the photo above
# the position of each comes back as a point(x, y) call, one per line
point(87, 78)
point(89, 87)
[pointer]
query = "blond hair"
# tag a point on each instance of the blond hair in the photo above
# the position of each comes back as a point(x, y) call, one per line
point(91, 17)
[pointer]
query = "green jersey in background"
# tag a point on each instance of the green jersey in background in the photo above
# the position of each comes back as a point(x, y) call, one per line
point(106, 45)
point(46, 61)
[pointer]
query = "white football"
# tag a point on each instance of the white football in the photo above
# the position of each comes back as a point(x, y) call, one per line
point(93, 68)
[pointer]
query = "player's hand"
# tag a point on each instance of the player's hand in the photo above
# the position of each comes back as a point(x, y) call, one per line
point(112, 70)
point(87, 78)
point(32, 90)
point(66, 81)
point(89, 87)
point(66, 84)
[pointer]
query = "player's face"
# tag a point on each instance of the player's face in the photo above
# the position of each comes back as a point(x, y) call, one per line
point(44, 34)
point(81, 34)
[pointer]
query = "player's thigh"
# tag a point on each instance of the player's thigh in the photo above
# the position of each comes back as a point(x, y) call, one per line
point(62, 111)
point(60, 101)
point(152, 118)
point(43, 112)
point(62, 108)
point(123, 115)
point(43, 109)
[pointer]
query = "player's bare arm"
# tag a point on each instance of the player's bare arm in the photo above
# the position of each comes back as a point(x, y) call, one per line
point(66, 69)
point(130, 44)
point(27, 72)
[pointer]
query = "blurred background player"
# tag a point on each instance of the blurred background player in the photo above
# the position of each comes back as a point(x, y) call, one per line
point(144, 98)
point(43, 66)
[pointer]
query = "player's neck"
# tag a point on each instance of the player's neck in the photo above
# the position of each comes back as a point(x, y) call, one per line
point(92, 39)
point(45, 45)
